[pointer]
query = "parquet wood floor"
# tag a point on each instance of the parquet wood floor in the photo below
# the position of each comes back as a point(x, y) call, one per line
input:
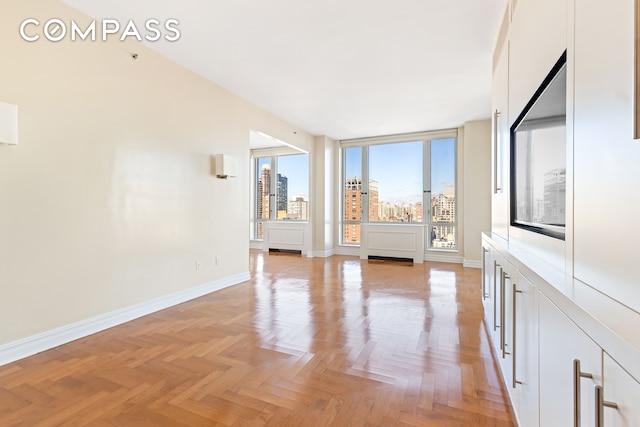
point(306, 342)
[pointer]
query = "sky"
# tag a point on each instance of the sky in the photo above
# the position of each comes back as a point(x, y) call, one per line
point(398, 168)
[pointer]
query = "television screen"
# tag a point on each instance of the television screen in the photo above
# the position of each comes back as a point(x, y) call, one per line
point(538, 159)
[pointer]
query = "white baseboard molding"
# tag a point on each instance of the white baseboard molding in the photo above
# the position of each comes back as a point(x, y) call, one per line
point(347, 250)
point(443, 258)
point(321, 254)
point(29, 346)
point(472, 263)
point(256, 244)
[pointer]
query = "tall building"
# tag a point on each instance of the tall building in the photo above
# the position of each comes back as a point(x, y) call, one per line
point(283, 194)
point(264, 185)
point(298, 209)
point(555, 197)
point(373, 200)
point(353, 207)
point(443, 210)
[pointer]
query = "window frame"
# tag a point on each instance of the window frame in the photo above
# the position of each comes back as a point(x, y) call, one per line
point(365, 143)
point(273, 155)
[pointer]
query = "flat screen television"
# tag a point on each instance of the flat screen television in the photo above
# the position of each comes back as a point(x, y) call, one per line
point(538, 158)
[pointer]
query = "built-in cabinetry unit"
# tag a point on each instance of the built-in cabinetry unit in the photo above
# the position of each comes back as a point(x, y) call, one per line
point(500, 134)
point(563, 313)
point(568, 354)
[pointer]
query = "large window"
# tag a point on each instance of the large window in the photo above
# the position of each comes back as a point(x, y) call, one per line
point(410, 181)
point(282, 189)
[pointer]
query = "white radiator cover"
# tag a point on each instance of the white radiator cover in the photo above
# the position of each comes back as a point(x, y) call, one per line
point(289, 235)
point(392, 240)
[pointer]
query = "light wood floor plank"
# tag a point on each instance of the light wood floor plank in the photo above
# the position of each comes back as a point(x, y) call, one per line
point(306, 342)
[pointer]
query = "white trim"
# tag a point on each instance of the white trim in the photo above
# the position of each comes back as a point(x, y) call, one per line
point(321, 254)
point(472, 263)
point(47, 340)
point(256, 244)
point(347, 251)
point(443, 258)
point(402, 137)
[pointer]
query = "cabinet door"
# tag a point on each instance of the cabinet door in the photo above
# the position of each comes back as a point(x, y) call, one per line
point(525, 351)
point(563, 346)
point(488, 272)
point(620, 388)
point(496, 317)
point(500, 146)
point(505, 314)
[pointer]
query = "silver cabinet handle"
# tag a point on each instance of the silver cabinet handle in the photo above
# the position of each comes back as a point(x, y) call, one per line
point(496, 188)
point(577, 375)
point(600, 405)
point(484, 281)
point(503, 329)
point(495, 293)
point(514, 381)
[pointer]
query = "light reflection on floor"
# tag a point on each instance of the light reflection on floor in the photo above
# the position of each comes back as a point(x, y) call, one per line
point(360, 308)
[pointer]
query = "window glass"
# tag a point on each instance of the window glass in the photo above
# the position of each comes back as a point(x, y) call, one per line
point(443, 194)
point(401, 182)
point(263, 189)
point(352, 203)
point(292, 187)
point(282, 189)
point(395, 182)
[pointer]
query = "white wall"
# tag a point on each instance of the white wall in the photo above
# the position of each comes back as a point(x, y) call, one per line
point(477, 188)
point(109, 199)
point(322, 181)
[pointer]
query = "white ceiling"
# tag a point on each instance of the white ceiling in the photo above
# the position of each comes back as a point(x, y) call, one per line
point(341, 68)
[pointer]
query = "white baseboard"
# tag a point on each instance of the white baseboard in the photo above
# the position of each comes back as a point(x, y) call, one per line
point(443, 258)
point(256, 244)
point(347, 250)
point(47, 340)
point(472, 263)
point(320, 254)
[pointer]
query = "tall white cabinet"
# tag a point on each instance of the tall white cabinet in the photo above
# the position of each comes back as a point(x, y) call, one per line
point(563, 316)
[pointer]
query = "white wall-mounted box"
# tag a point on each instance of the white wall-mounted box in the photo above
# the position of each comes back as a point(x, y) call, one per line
point(8, 123)
point(226, 166)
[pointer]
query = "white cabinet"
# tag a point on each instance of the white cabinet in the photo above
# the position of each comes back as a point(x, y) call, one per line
point(500, 146)
point(511, 317)
point(556, 374)
point(570, 368)
point(620, 388)
point(506, 327)
point(488, 292)
point(604, 89)
point(525, 350)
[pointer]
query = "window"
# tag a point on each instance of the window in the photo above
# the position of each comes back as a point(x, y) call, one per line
point(282, 189)
point(443, 205)
point(410, 181)
point(352, 167)
point(396, 182)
